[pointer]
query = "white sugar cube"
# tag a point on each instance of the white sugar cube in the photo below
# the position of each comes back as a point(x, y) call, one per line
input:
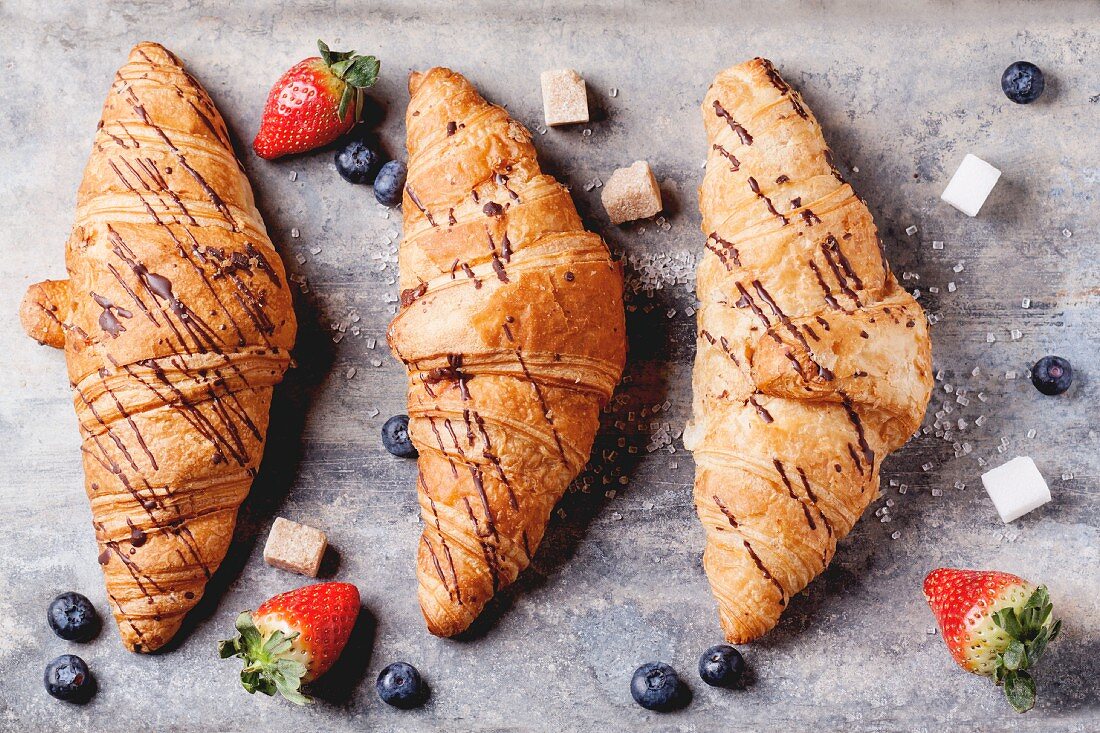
point(1016, 488)
point(971, 185)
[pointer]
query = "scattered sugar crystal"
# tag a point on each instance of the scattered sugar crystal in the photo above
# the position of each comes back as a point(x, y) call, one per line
point(564, 97)
point(1067, 476)
point(937, 492)
point(916, 293)
point(894, 535)
point(936, 244)
point(1001, 449)
point(1016, 488)
point(960, 485)
point(980, 420)
point(1067, 233)
point(982, 397)
point(990, 337)
point(631, 193)
point(951, 287)
point(962, 424)
point(959, 267)
point(614, 92)
point(1010, 374)
point(376, 362)
point(294, 175)
point(586, 132)
point(295, 233)
point(903, 488)
point(1025, 303)
point(315, 250)
point(911, 230)
point(927, 466)
point(301, 258)
point(933, 289)
point(1015, 334)
point(893, 482)
point(1031, 433)
point(964, 401)
point(971, 185)
point(948, 388)
point(610, 493)
point(615, 516)
point(373, 412)
point(981, 461)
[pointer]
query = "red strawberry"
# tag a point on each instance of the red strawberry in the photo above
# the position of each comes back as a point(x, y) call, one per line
point(995, 624)
point(293, 638)
point(315, 102)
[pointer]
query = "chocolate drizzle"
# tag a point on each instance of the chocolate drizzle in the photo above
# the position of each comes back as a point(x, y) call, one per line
point(742, 133)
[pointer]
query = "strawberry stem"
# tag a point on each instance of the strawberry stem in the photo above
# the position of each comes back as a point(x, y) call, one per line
point(357, 72)
point(1029, 631)
point(267, 668)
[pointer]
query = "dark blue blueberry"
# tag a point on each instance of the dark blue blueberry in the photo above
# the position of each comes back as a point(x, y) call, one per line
point(73, 617)
point(395, 437)
point(390, 183)
point(656, 686)
point(1023, 82)
point(1052, 375)
point(402, 686)
point(722, 666)
point(358, 162)
point(68, 678)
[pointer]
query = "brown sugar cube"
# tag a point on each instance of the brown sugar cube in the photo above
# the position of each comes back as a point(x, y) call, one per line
point(295, 547)
point(564, 99)
point(631, 193)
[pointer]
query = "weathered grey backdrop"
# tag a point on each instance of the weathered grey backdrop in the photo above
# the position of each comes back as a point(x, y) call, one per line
point(902, 94)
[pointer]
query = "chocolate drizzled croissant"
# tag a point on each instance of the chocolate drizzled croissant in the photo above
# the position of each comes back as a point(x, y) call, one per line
point(812, 363)
point(512, 330)
point(176, 321)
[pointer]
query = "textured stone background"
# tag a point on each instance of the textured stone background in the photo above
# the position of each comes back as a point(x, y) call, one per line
point(902, 96)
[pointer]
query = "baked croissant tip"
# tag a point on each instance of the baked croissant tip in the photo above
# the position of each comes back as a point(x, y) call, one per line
point(415, 79)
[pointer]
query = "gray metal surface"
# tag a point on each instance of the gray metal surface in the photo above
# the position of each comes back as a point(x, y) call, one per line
point(902, 97)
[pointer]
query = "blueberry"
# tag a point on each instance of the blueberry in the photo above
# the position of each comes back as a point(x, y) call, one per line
point(722, 666)
point(1023, 82)
point(656, 686)
point(1052, 375)
point(395, 437)
point(68, 678)
point(402, 686)
point(358, 162)
point(390, 183)
point(73, 617)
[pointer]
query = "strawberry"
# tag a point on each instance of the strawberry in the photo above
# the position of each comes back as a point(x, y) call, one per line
point(995, 624)
point(315, 102)
point(293, 638)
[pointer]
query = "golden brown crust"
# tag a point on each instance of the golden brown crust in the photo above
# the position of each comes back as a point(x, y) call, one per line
point(812, 363)
point(512, 330)
point(177, 323)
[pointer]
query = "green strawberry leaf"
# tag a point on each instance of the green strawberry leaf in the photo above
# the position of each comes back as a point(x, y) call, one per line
point(1014, 656)
point(267, 668)
point(1006, 618)
point(363, 72)
point(1020, 691)
point(346, 99)
point(1038, 598)
point(1055, 628)
point(331, 57)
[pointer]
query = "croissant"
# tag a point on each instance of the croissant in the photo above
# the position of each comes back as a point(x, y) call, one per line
point(812, 363)
point(512, 331)
point(176, 322)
